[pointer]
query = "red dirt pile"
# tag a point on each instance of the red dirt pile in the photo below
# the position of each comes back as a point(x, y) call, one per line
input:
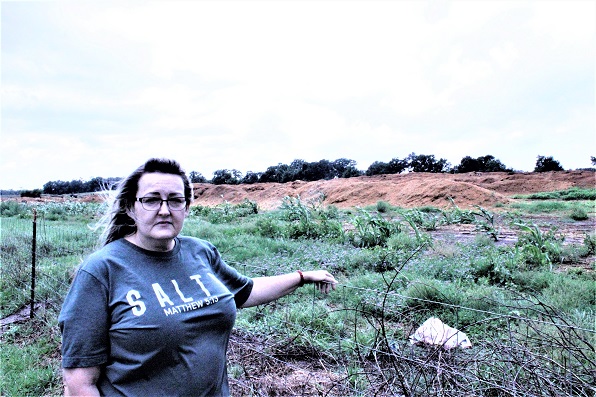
point(404, 190)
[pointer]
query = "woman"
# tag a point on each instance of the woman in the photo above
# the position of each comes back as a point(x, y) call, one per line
point(150, 313)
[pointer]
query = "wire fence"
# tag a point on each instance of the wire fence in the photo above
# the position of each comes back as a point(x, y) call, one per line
point(527, 349)
point(354, 344)
point(59, 249)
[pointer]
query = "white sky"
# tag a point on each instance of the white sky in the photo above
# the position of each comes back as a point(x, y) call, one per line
point(95, 88)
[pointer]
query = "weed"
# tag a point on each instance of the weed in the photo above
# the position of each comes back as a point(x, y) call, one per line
point(574, 193)
point(540, 249)
point(389, 284)
point(493, 269)
point(566, 292)
point(14, 209)
point(578, 214)
point(383, 207)
point(30, 361)
point(428, 221)
point(269, 227)
point(590, 244)
point(309, 221)
point(372, 230)
point(455, 215)
point(550, 207)
point(486, 223)
point(226, 212)
point(403, 242)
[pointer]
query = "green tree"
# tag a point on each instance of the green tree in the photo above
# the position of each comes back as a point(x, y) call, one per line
point(57, 187)
point(345, 168)
point(318, 170)
point(395, 166)
point(196, 177)
point(277, 173)
point(377, 168)
point(251, 177)
point(545, 164)
point(427, 163)
point(486, 163)
point(31, 193)
point(296, 170)
point(226, 177)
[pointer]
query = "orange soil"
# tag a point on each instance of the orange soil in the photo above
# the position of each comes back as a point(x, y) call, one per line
point(404, 190)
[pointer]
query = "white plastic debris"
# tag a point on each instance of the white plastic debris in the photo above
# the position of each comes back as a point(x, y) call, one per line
point(434, 332)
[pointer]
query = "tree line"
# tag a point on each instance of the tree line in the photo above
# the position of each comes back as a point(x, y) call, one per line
point(317, 170)
point(76, 186)
point(346, 168)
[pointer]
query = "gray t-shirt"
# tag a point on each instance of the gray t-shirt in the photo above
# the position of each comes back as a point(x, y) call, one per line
point(157, 323)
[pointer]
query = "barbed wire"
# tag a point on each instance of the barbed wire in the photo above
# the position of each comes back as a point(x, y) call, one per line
point(523, 355)
point(516, 359)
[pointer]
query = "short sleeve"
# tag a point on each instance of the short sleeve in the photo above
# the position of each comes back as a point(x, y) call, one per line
point(239, 285)
point(84, 323)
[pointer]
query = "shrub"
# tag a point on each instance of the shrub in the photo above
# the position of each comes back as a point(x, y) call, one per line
point(402, 242)
point(371, 230)
point(492, 269)
point(426, 220)
point(199, 210)
point(539, 249)
point(269, 227)
point(590, 243)
point(578, 214)
point(36, 193)
point(428, 297)
point(383, 206)
point(225, 212)
point(571, 194)
point(566, 293)
point(12, 208)
point(456, 215)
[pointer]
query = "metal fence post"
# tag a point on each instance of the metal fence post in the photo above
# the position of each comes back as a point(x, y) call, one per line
point(33, 258)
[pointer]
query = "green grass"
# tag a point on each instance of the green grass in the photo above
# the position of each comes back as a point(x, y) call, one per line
point(30, 360)
point(571, 194)
point(386, 288)
point(554, 207)
point(60, 246)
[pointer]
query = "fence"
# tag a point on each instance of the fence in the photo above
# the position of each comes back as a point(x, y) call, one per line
point(40, 265)
point(533, 351)
point(356, 343)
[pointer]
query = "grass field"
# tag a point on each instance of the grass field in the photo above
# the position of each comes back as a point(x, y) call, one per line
point(526, 304)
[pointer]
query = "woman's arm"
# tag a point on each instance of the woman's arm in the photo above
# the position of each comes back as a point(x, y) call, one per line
point(81, 381)
point(268, 289)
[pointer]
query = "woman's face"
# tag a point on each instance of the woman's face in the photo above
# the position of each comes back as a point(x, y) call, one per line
point(157, 228)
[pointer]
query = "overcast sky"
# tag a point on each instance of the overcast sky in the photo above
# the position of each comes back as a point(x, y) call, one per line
point(95, 88)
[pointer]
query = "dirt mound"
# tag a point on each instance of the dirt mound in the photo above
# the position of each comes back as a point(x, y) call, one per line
point(404, 190)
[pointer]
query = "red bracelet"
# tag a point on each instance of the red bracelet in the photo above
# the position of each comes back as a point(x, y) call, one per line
point(301, 278)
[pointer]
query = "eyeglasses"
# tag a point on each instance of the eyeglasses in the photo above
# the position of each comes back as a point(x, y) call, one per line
point(154, 203)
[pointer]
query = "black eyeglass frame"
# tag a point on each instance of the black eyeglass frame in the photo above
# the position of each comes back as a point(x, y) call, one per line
point(161, 201)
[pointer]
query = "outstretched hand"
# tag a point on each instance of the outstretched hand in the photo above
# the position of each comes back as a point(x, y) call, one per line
point(322, 279)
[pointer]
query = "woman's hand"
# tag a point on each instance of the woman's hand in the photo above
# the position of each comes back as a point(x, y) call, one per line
point(268, 289)
point(322, 279)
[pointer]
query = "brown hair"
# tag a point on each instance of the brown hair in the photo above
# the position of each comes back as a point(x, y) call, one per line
point(118, 223)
